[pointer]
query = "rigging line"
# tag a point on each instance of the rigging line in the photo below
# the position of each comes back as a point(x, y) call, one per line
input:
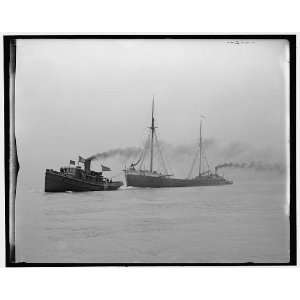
point(140, 156)
point(144, 153)
point(160, 152)
point(142, 159)
point(192, 166)
point(205, 157)
point(206, 160)
point(160, 162)
point(167, 163)
point(193, 163)
point(138, 161)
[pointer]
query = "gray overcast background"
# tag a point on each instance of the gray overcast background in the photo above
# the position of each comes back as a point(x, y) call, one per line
point(80, 97)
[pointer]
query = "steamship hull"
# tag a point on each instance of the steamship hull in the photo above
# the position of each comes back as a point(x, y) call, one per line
point(57, 182)
point(163, 181)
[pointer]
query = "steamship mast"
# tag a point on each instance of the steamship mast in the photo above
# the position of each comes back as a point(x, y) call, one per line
point(152, 135)
point(200, 148)
point(152, 145)
point(200, 154)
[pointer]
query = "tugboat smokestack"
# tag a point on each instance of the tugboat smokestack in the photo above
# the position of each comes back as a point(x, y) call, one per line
point(87, 165)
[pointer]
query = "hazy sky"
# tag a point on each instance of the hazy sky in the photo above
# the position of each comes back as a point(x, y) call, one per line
point(80, 97)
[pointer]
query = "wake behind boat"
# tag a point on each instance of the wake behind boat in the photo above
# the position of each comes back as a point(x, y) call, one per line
point(137, 175)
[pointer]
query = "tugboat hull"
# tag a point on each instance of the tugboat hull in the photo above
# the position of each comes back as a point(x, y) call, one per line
point(57, 182)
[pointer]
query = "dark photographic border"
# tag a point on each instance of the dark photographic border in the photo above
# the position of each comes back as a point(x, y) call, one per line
point(8, 40)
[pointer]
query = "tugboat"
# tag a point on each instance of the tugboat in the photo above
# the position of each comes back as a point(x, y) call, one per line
point(74, 178)
point(136, 175)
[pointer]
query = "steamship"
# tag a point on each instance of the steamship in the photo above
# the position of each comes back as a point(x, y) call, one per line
point(78, 179)
point(139, 176)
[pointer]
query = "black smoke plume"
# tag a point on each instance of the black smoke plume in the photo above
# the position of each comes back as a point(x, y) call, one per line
point(180, 157)
point(124, 152)
point(258, 166)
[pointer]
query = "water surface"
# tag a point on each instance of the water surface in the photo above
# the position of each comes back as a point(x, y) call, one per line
point(243, 222)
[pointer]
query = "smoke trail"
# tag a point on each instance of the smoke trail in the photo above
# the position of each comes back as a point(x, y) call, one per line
point(124, 152)
point(258, 166)
point(178, 151)
point(179, 157)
